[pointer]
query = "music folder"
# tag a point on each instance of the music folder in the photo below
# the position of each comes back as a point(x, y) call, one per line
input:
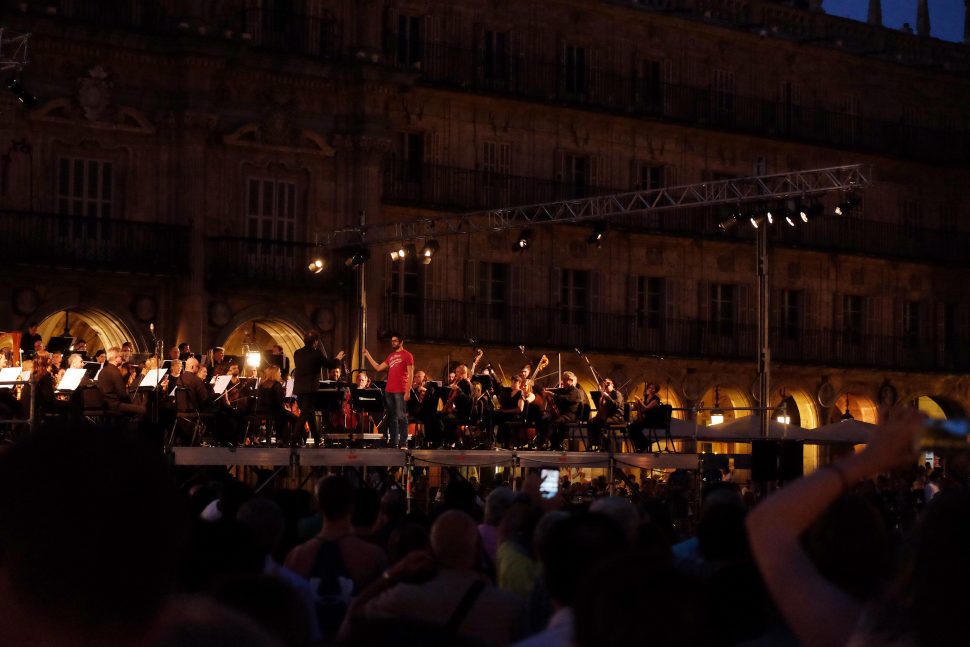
point(71, 380)
point(8, 375)
point(289, 387)
point(220, 382)
point(91, 369)
point(153, 378)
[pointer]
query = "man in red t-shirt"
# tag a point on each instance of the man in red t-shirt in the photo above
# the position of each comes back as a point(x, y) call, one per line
point(400, 375)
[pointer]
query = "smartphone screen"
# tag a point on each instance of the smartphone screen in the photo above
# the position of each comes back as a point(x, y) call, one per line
point(549, 483)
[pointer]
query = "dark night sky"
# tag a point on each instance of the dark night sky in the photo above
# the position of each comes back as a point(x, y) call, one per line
point(946, 16)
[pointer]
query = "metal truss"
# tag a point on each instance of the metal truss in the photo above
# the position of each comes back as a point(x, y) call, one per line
point(739, 191)
point(14, 51)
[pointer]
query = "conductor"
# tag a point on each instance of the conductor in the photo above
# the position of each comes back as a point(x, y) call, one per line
point(308, 362)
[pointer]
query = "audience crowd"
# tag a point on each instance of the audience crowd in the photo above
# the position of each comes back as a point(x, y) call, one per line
point(120, 548)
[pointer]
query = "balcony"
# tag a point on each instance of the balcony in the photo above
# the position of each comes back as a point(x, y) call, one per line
point(86, 243)
point(525, 76)
point(450, 188)
point(275, 30)
point(455, 322)
point(261, 263)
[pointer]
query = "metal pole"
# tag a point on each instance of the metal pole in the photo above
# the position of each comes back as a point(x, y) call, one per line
point(764, 349)
point(362, 301)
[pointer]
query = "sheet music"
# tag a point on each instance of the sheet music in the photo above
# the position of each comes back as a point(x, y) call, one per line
point(289, 388)
point(222, 381)
point(11, 374)
point(153, 378)
point(72, 379)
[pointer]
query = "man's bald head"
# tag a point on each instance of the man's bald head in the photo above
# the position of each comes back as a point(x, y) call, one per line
point(192, 365)
point(454, 540)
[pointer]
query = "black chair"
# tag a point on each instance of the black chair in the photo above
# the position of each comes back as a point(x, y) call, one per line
point(620, 429)
point(94, 409)
point(187, 415)
point(577, 430)
point(658, 419)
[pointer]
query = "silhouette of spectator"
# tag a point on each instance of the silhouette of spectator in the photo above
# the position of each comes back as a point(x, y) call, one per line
point(90, 538)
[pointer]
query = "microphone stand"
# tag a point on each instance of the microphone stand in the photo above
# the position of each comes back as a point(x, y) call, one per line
point(158, 366)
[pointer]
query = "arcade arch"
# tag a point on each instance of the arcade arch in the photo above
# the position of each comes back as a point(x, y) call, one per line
point(938, 407)
point(260, 328)
point(99, 327)
point(731, 400)
point(799, 407)
point(860, 407)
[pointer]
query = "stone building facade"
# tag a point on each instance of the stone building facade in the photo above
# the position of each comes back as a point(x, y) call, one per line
point(184, 162)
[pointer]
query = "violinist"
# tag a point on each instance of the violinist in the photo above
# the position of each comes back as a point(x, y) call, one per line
point(564, 405)
point(423, 407)
point(609, 411)
point(458, 405)
point(646, 412)
point(272, 402)
point(233, 408)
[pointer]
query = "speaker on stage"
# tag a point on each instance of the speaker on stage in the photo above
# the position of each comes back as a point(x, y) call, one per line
point(776, 460)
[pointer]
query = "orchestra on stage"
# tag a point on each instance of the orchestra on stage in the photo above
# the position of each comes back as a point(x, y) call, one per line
point(261, 400)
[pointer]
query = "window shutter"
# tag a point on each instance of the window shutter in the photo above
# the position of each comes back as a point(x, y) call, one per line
point(471, 280)
point(838, 312)
point(631, 295)
point(517, 290)
point(555, 279)
point(704, 301)
point(811, 310)
point(599, 296)
point(597, 172)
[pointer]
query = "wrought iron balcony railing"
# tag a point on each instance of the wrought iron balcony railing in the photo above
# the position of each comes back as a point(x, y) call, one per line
point(455, 321)
point(527, 76)
point(261, 263)
point(276, 29)
point(76, 242)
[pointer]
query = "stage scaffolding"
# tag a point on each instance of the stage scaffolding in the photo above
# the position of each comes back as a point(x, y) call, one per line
point(298, 464)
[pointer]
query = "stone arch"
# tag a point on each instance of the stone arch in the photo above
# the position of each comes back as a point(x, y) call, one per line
point(936, 406)
point(271, 325)
point(99, 326)
point(800, 407)
point(726, 397)
point(861, 407)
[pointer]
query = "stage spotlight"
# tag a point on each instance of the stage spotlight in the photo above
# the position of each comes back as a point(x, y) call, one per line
point(316, 265)
point(851, 200)
point(18, 90)
point(803, 213)
point(788, 219)
point(429, 250)
point(524, 240)
point(755, 222)
point(598, 234)
point(728, 223)
point(357, 257)
point(771, 218)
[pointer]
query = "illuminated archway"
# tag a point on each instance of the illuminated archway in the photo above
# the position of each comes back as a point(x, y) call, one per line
point(726, 398)
point(938, 407)
point(98, 327)
point(668, 395)
point(262, 326)
point(860, 407)
point(799, 407)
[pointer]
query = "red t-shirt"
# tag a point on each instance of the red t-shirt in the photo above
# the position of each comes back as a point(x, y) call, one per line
point(397, 370)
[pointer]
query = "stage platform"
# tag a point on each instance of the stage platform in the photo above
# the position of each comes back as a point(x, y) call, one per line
point(304, 457)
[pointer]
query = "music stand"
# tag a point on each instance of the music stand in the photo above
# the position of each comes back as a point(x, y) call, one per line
point(152, 379)
point(485, 380)
point(59, 345)
point(370, 401)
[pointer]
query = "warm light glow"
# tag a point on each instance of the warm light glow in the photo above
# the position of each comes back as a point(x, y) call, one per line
point(791, 223)
point(253, 359)
point(804, 215)
point(771, 219)
point(838, 210)
point(717, 418)
point(754, 222)
point(395, 255)
point(784, 419)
